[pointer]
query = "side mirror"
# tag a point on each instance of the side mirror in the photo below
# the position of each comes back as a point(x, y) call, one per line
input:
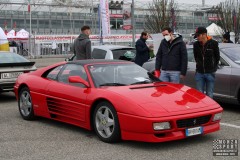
point(67, 59)
point(77, 79)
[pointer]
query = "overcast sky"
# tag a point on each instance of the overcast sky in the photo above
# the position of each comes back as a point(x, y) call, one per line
point(207, 2)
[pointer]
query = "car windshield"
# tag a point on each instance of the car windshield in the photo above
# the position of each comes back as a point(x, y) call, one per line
point(233, 54)
point(120, 75)
point(124, 53)
point(8, 57)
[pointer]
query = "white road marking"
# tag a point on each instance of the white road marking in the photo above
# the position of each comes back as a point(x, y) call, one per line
point(230, 125)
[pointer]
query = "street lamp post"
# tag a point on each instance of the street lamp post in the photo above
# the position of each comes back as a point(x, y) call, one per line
point(133, 25)
point(92, 13)
point(30, 28)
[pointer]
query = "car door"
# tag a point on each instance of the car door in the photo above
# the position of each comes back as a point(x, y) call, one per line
point(222, 79)
point(189, 80)
point(66, 101)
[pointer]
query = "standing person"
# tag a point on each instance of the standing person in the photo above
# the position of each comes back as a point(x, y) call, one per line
point(142, 49)
point(54, 47)
point(207, 56)
point(226, 38)
point(171, 57)
point(82, 45)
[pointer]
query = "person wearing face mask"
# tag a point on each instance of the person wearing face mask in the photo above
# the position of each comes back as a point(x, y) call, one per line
point(143, 51)
point(171, 58)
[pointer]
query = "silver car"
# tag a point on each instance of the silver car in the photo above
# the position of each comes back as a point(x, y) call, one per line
point(227, 84)
point(11, 66)
point(111, 52)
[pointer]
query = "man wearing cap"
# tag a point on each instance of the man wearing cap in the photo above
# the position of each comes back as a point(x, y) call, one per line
point(207, 56)
point(171, 57)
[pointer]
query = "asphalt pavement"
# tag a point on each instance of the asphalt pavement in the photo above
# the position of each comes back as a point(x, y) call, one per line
point(44, 139)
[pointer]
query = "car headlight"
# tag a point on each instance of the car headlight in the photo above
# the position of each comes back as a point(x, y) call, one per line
point(161, 126)
point(217, 117)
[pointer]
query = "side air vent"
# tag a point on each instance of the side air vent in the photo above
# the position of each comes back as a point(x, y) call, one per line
point(65, 110)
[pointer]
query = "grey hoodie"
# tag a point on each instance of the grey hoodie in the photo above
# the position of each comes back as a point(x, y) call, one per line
point(82, 47)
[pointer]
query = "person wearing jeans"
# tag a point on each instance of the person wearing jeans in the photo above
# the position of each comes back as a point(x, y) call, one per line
point(207, 56)
point(171, 58)
point(170, 76)
point(207, 80)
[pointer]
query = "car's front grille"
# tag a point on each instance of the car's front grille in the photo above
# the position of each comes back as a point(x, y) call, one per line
point(193, 121)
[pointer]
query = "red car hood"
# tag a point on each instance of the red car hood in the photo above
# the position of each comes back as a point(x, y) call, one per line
point(171, 99)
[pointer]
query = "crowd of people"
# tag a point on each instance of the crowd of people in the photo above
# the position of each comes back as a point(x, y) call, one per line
point(171, 57)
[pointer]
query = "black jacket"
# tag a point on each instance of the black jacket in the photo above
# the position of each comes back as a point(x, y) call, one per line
point(172, 57)
point(142, 49)
point(82, 47)
point(206, 56)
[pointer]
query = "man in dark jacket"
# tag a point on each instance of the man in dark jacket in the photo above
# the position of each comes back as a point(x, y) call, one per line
point(171, 57)
point(142, 49)
point(207, 56)
point(82, 44)
point(226, 38)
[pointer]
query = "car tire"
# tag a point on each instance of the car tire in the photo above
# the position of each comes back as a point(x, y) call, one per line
point(105, 122)
point(25, 104)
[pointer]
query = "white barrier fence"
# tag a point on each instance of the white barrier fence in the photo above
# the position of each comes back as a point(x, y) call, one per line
point(61, 44)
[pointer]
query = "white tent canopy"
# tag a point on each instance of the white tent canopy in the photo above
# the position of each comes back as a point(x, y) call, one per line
point(215, 30)
point(22, 34)
point(11, 34)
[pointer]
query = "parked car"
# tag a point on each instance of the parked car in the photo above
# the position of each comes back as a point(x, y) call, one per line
point(11, 66)
point(118, 99)
point(111, 52)
point(227, 84)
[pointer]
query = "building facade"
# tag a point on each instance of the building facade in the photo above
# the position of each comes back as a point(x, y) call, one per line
point(51, 17)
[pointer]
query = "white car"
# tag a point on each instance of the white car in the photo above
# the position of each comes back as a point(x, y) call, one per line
point(111, 52)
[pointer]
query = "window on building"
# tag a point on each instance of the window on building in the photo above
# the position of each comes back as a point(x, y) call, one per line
point(67, 24)
point(89, 23)
point(33, 24)
point(44, 24)
point(56, 24)
point(19, 23)
point(78, 24)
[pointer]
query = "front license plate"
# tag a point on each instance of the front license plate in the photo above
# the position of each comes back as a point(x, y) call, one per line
point(194, 131)
point(10, 75)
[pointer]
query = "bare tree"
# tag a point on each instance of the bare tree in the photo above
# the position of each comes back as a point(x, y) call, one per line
point(161, 13)
point(228, 14)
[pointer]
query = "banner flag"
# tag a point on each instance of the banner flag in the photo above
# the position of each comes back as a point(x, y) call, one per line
point(127, 16)
point(105, 17)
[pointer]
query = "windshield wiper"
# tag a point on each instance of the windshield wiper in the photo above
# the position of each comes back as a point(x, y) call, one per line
point(152, 77)
point(112, 84)
point(142, 82)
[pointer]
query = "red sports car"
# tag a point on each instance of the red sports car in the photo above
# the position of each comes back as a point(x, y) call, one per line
point(117, 99)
